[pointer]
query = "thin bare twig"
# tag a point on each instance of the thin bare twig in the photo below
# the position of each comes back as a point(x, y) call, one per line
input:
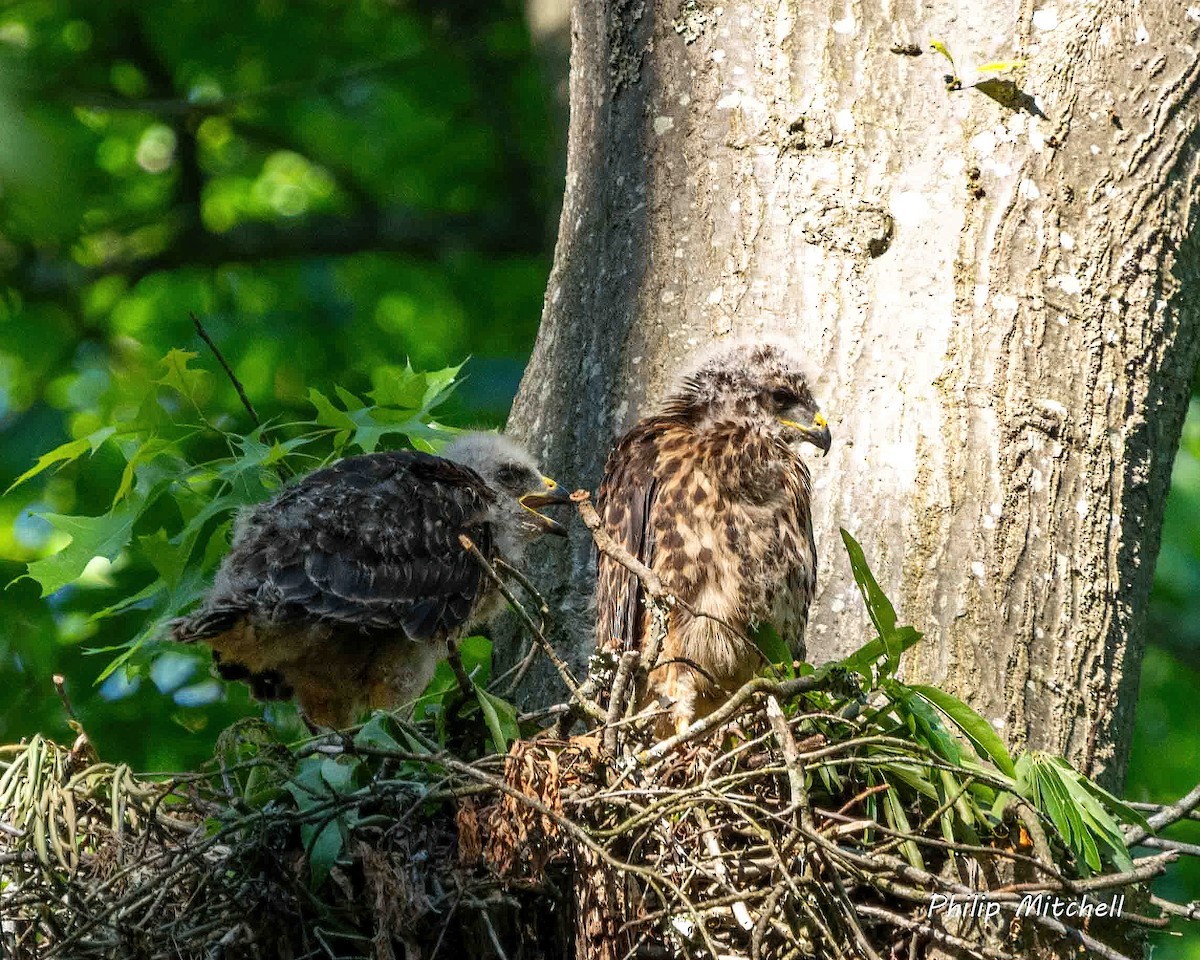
point(1165, 817)
point(503, 566)
point(791, 757)
point(587, 705)
point(237, 384)
point(454, 658)
point(934, 933)
point(785, 690)
point(60, 687)
point(618, 698)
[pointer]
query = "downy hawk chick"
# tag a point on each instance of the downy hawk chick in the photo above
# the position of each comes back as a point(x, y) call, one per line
point(711, 494)
point(344, 588)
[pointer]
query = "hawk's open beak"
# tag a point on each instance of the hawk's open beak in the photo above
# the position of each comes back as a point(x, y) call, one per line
point(817, 433)
point(551, 495)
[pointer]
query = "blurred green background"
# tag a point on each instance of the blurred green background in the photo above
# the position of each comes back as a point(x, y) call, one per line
point(336, 187)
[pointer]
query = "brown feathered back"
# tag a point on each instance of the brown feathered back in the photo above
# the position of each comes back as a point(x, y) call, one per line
point(344, 588)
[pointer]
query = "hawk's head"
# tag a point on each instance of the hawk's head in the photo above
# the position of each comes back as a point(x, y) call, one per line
point(520, 488)
point(759, 380)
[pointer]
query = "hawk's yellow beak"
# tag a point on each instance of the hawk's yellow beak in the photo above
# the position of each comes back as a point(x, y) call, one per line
point(551, 494)
point(817, 433)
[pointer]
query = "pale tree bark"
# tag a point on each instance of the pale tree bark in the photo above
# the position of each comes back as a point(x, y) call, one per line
point(998, 300)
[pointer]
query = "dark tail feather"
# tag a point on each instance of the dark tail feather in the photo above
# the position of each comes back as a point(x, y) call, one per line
point(204, 624)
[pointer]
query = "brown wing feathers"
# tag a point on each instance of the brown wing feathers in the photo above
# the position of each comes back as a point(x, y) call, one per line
point(367, 548)
point(626, 503)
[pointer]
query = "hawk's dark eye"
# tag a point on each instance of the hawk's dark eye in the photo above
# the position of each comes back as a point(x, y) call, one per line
point(783, 397)
point(514, 477)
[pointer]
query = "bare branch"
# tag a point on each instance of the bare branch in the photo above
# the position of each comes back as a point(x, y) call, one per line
point(237, 384)
point(588, 705)
point(1166, 816)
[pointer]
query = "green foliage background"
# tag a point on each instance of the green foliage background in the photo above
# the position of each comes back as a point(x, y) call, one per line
point(338, 189)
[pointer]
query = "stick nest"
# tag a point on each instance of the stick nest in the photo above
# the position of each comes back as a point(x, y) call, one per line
point(816, 814)
point(761, 837)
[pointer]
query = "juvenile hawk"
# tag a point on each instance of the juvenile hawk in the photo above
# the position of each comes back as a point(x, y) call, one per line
point(345, 587)
point(712, 496)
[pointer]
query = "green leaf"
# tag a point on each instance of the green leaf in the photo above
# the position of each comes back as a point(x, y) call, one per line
point(405, 388)
point(103, 536)
point(136, 466)
point(1066, 814)
point(307, 786)
point(476, 655)
point(327, 414)
point(147, 592)
point(929, 728)
point(366, 426)
point(168, 558)
point(883, 615)
point(323, 849)
point(442, 687)
point(377, 733)
point(879, 607)
point(952, 787)
point(179, 376)
point(501, 719)
point(374, 423)
point(771, 645)
point(1093, 802)
point(1097, 821)
point(896, 818)
point(1117, 806)
point(68, 452)
point(870, 653)
point(349, 400)
point(340, 773)
point(981, 734)
point(913, 775)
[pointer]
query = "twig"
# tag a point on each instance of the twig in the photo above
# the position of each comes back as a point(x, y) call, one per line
point(503, 566)
point(1158, 808)
point(764, 921)
point(614, 551)
point(487, 922)
point(784, 690)
point(791, 757)
point(870, 866)
point(586, 704)
point(618, 698)
point(862, 795)
point(1165, 817)
point(1162, 843)
point(650, 580)
point(518, 671)
point(1189, 911)
point(709, 836)
point(60, 687)
point(850, 913)
point(454, 658)
point(237, 384)
point(933, 933)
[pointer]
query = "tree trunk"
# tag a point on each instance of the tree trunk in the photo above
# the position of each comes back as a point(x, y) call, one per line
point(995, 285)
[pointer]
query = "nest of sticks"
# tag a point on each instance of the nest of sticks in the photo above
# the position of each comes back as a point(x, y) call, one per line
point(790, 823)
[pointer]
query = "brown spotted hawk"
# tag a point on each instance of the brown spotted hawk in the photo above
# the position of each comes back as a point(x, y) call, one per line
point(711, 494)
